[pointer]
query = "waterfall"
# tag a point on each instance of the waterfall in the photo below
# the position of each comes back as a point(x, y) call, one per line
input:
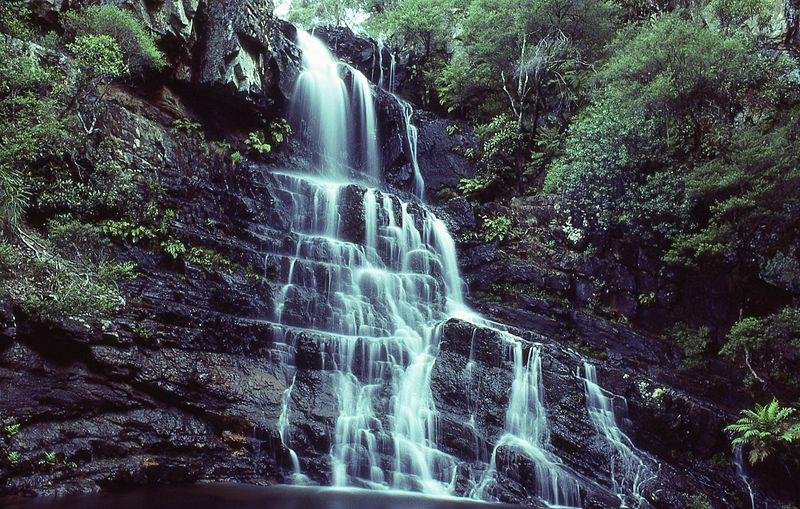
point(526, 432)
point(373, 292)
point(376, 303)
point(627, 468)
point(283, 427)
point(738, 462)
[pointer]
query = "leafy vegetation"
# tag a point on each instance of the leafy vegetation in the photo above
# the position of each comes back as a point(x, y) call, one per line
point(693, 342)
point(496, 228)
point(767, 347)
point(136, 43)
point(62, 188)
point(766, 429)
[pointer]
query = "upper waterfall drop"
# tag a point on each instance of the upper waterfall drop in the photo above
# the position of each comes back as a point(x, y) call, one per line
point(319, 103)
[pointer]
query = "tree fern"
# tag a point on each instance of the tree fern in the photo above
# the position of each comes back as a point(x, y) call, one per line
point(764, 428)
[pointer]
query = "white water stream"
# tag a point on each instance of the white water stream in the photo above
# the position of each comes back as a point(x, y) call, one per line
point(375, 298)
point(628, 471)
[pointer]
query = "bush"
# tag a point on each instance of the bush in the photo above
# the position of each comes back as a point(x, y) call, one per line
point(32, 131)
point(98, 55)
point(767, 347)
point(496, 227)
point(693, 342)
point(137, 43)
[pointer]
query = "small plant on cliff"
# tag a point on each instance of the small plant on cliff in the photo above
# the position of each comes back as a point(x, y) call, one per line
point(137, 43)
point(765, 429)
point(477, 184)
point(10, 430)
point(48, 459)
point(13, 457)
point(257, 143)
point(694, 343)
point(189, 128)
point(698, 502)
point(173, 247)
point(496, 228)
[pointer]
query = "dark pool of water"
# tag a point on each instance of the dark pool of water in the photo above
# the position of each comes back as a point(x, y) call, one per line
point(236, 496)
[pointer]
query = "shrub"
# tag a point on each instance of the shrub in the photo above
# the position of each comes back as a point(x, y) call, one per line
point(137, 43)
point(32, 131)
point(693, 342)
point(14, 18)
point(495, 227)
point(99, 55)
point(257, 142)
point(698, 502)
point(767, 347)
point(764, 429)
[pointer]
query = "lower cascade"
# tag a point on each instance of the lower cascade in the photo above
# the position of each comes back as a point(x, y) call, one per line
point(374, 293)
point(628, 471)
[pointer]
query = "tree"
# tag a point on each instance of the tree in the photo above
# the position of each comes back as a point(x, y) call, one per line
point(532, 69)
point(313, 13)
point(654, 152)
point(767, 347)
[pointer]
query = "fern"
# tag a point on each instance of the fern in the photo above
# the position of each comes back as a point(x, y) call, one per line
point(764, 428)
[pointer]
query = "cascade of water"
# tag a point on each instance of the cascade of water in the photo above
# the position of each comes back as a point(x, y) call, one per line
point(738, 462)
point(320, 101)
point(366, 120)
point(392, 65)
point(374, 296)
point(412, 135)
point(283, 429)
point(379, 47)
point(526, 431)
point(627, 468)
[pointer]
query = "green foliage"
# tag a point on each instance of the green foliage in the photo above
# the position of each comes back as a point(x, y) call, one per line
point(31, 130)
point(765, 429)
point(698, 502)
point(547, 43)
point(10, 430)
point(453, 129)
point(133, 233)
point(477, 184)
point(48, 458)
point(257, 143)
point(136, 42)
point(422, 25)
point(211, 259)
point(501, 142)
point(314, 13)
point(14, 16)
point(767, 347)
point(13, 457)
point(188, 127)
point(736, 12)
point(496, 227)
point(98, 55)
point(694, 343)
point(687, 140)
point(173, 247)
point(236, 157)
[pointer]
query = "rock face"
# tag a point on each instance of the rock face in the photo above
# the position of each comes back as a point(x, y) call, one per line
point(188, 383)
